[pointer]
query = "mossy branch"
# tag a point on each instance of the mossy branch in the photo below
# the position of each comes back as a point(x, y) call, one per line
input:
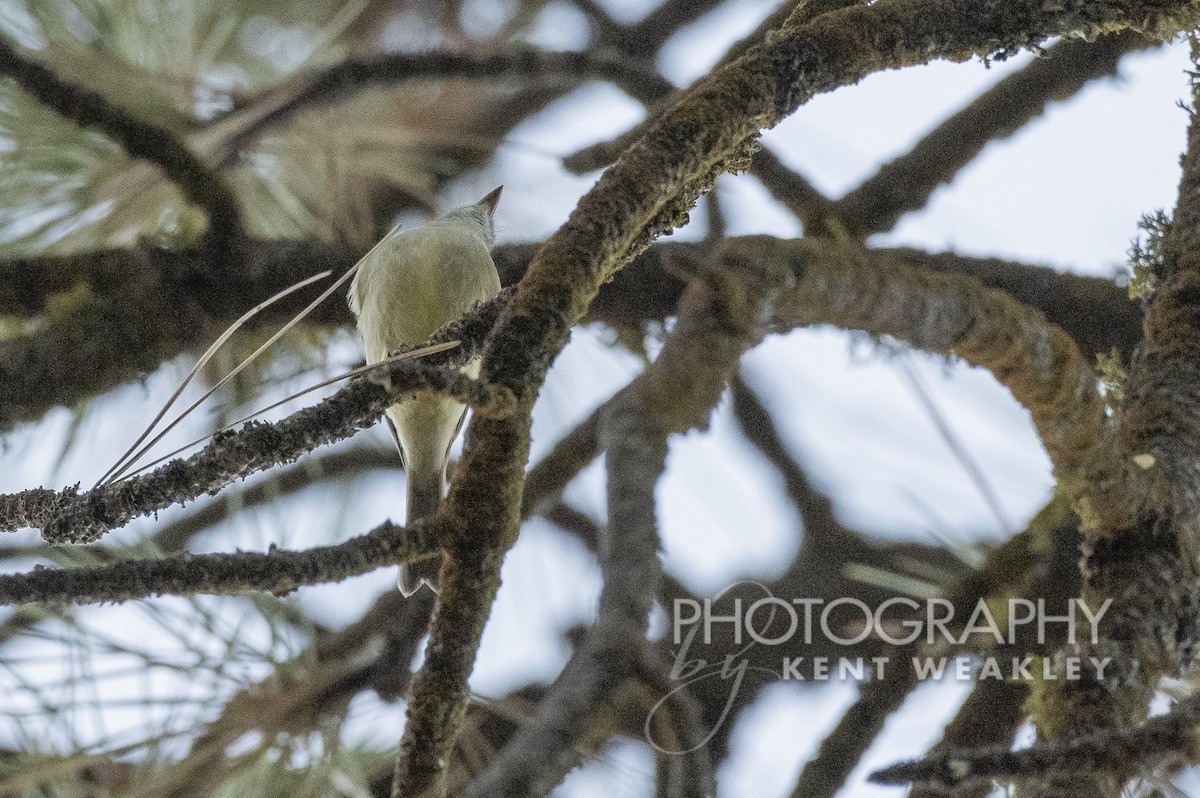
point(69, 516)
point(710, 129)
point(277, 571)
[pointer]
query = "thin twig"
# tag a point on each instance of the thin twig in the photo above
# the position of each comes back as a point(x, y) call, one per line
point(309, 91)
point(138, 138)
point(1100, 751)
point(821, 525)
point(906, 183)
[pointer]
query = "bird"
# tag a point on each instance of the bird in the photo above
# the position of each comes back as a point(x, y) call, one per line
point(409, 286)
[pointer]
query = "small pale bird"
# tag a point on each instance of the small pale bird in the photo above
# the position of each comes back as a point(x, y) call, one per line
point(408, 287)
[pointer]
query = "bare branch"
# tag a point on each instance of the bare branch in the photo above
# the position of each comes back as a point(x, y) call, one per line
point(1072, 759)
point(906, 183)
point(793, 191)
point(341, 80)
point(990, 716)
point(543, 750)
point(570, 455)
point(815, 509)
point(842, 748)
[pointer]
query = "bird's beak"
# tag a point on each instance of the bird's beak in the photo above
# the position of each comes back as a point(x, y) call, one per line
point(491, 200)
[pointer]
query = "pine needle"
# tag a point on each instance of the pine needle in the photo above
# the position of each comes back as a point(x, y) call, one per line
point(415, 353)
point(212, 350)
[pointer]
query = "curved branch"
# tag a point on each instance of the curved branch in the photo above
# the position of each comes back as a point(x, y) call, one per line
point(710, 130)
point(906, 183)
point(948, 314)
point(330, 85)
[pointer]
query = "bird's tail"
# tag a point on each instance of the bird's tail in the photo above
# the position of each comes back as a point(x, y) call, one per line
point(424, 495)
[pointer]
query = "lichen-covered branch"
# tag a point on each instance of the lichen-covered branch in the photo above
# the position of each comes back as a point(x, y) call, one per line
point(277, 571)
point(991, 715)
point(710, 129)
point(949, 314)
point(1142, 551)
point(1030, 564)
point(722, 314)
point(793, 12)
point(69, 516)
point(67, 363)
point(547, 747)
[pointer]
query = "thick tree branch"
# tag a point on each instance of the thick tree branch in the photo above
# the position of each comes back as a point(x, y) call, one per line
point(1142, 545)
point(794, 12)
point(68, 362)
point(951, 315)
point(547, 747)
point(722, 315)
point(709, 130)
